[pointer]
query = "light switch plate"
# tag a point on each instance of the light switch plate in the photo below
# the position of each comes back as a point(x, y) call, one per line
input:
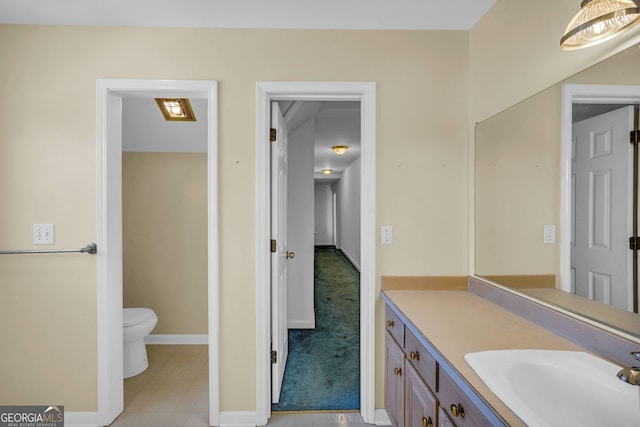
point(386, 235)
point(43, 234)
point(549, 234)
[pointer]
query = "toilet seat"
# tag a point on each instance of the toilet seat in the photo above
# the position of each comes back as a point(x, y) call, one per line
point(135, 316)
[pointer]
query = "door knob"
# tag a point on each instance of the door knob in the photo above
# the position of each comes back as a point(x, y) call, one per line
point(291, 254)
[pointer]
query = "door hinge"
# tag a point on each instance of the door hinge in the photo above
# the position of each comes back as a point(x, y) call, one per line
point(272, 135)
point(274, 356)
point(634, 243)
point(634, 136)
point(273, 246)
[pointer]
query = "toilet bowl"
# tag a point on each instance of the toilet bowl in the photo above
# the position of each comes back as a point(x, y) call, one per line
point(137, 323)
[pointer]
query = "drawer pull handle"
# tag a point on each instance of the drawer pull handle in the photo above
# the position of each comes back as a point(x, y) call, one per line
point(390, 323)
point(414, 355)
point(426, 422)
point(397, 371)
point(457, 410)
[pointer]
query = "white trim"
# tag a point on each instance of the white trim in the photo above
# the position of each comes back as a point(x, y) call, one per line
point(382, 418)
point(365, 92)
point(301, 324)
point(109, 239)
point(176, 339)
point(237, 419)
point(80, 419)
point(580, 94)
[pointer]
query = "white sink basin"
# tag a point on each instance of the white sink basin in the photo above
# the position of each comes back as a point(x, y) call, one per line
point(558, 388)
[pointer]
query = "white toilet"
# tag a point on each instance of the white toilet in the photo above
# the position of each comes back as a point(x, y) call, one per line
point(137, 323)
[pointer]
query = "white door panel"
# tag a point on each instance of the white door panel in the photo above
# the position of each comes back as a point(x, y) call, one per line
point(279, 331)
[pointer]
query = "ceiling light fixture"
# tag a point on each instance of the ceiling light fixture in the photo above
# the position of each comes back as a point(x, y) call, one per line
point(340, 149)
point(327, 171)
point(176, 109)
point(598, 21)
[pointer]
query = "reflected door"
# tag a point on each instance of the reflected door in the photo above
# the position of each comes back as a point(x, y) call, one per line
point(602, 208)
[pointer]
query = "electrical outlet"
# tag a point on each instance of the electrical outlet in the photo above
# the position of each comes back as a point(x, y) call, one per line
point(549, 234)
point(386, 235)
point(43, 234)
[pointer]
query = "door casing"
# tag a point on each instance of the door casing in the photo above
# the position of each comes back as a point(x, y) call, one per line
point(364, 92)
point(109, 233)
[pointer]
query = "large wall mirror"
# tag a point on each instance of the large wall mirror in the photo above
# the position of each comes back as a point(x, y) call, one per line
point(553, 214)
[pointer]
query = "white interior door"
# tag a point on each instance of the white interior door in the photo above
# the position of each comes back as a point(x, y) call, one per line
point(602, 208)
point(279, 257)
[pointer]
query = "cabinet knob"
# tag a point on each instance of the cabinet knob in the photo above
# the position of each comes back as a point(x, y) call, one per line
point(426, 422)
point(390, 323)
point(457, 410)
point(397, 371)
point(414, 355)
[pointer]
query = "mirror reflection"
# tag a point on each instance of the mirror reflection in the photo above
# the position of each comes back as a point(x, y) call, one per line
point(553, 217)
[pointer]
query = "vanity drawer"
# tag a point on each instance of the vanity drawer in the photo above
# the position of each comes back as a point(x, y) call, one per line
point(422, 360)
point(394, 326)
point(457, 405)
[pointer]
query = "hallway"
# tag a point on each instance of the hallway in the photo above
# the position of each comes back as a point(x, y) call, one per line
point(323, 367)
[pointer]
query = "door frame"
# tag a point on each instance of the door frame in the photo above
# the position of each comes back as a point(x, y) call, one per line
point(110, 93)
point(364, 92)
point(583, 94)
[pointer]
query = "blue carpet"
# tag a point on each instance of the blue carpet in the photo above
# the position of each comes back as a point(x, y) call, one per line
point(323, 367)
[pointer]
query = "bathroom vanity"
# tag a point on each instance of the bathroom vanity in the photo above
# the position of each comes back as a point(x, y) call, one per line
point(428, 333)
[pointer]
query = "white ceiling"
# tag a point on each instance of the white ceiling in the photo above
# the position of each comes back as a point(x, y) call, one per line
point(335, 123)
point(326, 14)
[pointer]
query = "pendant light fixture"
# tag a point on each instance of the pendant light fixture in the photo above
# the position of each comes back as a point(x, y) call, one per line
point(598, 21)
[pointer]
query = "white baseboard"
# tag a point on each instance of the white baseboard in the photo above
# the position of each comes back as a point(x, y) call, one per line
point(181, 339)
point(238, 419)
point(80, 419)
point(301, 324)
point(381, 418)
point(351, 260)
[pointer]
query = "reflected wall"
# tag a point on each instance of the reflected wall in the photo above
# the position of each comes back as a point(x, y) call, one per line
point(518, 182)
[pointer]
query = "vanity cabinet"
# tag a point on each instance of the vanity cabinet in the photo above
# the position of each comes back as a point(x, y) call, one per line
point(418, 392)
point(410, 377)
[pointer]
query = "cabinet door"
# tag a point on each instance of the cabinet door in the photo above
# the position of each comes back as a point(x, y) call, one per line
point(420, 403)
point(394, 384)
point(443, 419)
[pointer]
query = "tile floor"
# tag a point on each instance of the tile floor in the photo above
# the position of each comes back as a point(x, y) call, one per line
point(173, 392)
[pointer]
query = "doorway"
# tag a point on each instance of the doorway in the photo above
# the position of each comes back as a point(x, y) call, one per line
point(110, 94)
point(321, 369)
point(600, 285)
point(267, 92)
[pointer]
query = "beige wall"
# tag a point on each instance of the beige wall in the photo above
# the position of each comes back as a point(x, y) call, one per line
point(48, 174)
point(515, 52)
point(164, 220)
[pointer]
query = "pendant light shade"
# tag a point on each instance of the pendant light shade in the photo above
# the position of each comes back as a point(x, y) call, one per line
point(598, 21)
